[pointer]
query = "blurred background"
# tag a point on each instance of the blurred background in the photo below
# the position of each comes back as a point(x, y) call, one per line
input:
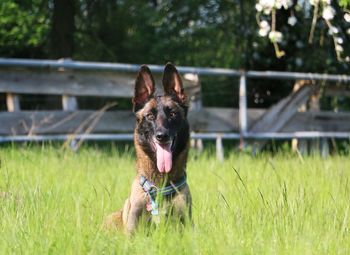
point(308, 36)
point(208, 33)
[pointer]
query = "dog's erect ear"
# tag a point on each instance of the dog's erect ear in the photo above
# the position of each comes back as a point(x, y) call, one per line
point(172, 83)
point(144, 87)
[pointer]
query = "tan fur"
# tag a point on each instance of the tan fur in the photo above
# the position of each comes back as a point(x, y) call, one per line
point(135, 206)
point(126, 219)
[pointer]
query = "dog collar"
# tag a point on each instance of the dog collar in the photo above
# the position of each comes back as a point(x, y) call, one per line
point(152, 191)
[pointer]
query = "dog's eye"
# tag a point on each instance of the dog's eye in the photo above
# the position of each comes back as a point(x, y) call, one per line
point(150, 116)
point(172, 114)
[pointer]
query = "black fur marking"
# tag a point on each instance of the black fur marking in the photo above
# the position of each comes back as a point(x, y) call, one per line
point(177, 126)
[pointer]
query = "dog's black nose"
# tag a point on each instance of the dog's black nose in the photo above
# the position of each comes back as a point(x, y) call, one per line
point(162, 136)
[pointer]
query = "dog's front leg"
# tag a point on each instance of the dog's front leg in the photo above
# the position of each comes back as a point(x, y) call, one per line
point(182, 204)
point(134, 207)
point(134, 213)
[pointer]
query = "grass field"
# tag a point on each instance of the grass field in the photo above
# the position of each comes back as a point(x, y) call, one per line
point(53, 201)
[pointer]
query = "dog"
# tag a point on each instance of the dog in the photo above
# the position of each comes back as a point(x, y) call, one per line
point(161, 140)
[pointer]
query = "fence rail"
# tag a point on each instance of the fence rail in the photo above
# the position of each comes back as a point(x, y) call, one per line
point(74, 83)
point(203, 71)
point(203, 136)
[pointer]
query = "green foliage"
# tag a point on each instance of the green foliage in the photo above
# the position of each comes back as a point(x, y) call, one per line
point(186, 32)
point(210, 33)
point(54, 202)
point(197, 32)
point(344, 3)
point(24, 27)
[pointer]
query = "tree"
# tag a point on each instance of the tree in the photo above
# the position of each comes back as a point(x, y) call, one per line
point(24, 27)
point(63, 28)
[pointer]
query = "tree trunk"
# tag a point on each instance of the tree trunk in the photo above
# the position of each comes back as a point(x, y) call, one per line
point(62, 37)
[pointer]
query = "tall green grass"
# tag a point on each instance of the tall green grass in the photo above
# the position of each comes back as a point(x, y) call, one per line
point(53, 201)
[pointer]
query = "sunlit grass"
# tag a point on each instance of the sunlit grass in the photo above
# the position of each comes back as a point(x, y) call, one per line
point(54, 201)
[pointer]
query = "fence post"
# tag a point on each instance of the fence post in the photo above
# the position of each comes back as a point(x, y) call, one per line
point(196, 106)
point(219, 148)
point(69, 103)
point(324, 148)
point(12, 102)
point(242, 108)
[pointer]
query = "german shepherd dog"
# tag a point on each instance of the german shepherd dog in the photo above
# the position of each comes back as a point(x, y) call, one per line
point(161, 139)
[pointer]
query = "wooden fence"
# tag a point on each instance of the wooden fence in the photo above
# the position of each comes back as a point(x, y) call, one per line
point(72, 79)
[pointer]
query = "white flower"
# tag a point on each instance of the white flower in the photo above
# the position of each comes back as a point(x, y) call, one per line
point(258, 7)
point(327, 1)
point(339, 40)
point(278, 4)
point(347, 17)
point(333, 30)
point(264, 28)
point(263, 32)
point(314, 2)
point(275, 36)
point(264, 24)
point(283, 3)
point(265, 5)
point(339, 48)
point(267, 11)
point(328, 13)
point(286, 3)
point(292, 20)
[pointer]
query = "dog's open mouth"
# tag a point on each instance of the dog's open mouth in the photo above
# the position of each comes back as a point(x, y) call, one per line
point(164, 154)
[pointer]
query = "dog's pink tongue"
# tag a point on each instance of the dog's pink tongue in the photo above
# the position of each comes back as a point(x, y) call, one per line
point(164, 157)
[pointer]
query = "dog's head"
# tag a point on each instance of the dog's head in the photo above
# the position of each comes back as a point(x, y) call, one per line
point(162, 128)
